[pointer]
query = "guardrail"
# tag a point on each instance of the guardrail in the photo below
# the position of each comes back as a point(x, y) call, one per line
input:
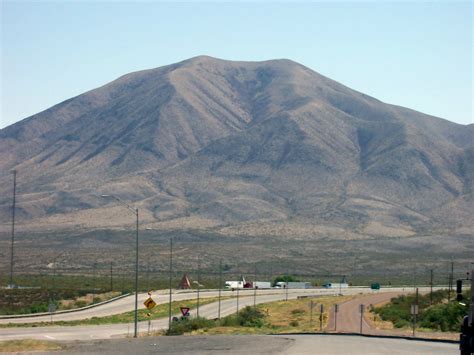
point(14, 316)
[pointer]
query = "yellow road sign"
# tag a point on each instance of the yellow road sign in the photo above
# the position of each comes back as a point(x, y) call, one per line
point(149, 303)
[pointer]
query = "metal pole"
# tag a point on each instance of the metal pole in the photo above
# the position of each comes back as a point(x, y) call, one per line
point(170, 282)
point(336, 310)
point(111, 277)
point(13, 229)
point(452, 278)
point(94, 279)
point(321, 310)
point(220, 286)
point(449, 284)
point(415, 312)
point(135, 335)
point(361, 316)
point(471, 308)
point(255, 287)
point(431, 287)
point(237, 299)
point(199, 285)
point(286, 294)
point(311, 314)
point(147, 282)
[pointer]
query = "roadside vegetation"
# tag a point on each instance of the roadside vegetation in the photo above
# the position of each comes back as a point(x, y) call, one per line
point(441, 315)
point(9, 346)
point(26, 301)
point(160, 311)
point(267, 318)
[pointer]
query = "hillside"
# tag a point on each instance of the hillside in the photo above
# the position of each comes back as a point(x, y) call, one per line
point(248, 148)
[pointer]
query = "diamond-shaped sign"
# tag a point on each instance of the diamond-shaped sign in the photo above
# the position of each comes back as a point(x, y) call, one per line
point(149, 303)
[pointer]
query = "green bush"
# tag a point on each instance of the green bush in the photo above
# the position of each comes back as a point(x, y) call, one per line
point(247, 317)
point(445, 317)
point(298, 312)
point(294, 323)
point(441, 315)
point(185, 325)
point(80, 304)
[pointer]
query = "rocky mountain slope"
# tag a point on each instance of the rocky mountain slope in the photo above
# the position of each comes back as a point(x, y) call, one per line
point(252, 148)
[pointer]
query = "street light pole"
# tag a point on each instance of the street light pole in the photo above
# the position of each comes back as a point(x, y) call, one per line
point(220, 286)
point(170, 282)
point(135, 335)
point(135, 211)
point(13, 229)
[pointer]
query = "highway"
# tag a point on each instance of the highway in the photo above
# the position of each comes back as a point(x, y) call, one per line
point(127, 304)
point(228, 306)
point(261, 344)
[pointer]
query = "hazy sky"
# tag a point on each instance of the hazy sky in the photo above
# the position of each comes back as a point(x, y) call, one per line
point(414, 54)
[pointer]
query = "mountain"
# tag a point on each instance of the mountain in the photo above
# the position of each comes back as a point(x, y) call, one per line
point(249, 148)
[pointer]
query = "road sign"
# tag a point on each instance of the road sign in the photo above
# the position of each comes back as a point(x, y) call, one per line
point(52, 308)
point(321, 308)
point(336, 308)
point(414, 309)
point(361, 308)
point(184, 311)
point(149, 303)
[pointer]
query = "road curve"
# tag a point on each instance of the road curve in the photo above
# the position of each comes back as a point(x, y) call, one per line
point(127, 304)
point(228, 306)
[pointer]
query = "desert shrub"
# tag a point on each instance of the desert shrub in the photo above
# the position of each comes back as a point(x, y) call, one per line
point(294, 323)
point(185, 325)
point(298, 312)
point(80, 303)
point(441, 315)
point(251, 317)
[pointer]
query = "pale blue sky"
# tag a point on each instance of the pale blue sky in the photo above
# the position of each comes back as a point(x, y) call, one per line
point(414, 54)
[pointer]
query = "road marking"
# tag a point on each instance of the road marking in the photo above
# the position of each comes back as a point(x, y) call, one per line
point(49, 337)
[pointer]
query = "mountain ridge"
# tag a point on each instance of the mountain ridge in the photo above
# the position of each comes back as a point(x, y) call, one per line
point(230, 142)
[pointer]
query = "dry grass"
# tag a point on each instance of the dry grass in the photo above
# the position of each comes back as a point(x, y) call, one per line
point(28, 345)
point(285, 317)
point(295, 315)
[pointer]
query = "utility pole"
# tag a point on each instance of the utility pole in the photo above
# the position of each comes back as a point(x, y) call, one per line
point(415, 312)
point(147, 282)
point(431, 287)
point(220, 286)
point(311, 314)
point(199, 285)
point(111, 277)
point(170, 282)
point(255, 287)
point(450, 282)
point(237, 299)
point(13, 230)
point(94, 280)
point(321, 312)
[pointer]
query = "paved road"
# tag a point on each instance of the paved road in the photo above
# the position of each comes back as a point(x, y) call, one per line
point(263, 344)
point(228, 306)
point(127, 304)
point(348, 317)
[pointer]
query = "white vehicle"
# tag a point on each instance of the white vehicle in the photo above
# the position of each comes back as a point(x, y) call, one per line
point(234, 284)
point(336, 285)
point(263, 284)
point(293, 285)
